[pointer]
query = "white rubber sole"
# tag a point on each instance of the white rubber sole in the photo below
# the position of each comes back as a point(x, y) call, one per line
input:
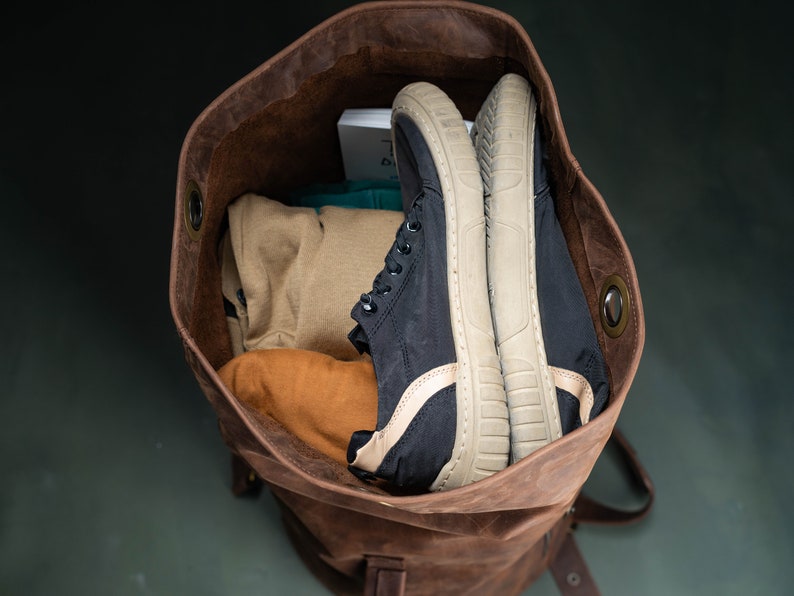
point(482, 441)
point(503, 136)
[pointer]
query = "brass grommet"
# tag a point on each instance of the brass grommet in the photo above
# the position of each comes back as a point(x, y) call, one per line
point(194, 210)
point(614, 305)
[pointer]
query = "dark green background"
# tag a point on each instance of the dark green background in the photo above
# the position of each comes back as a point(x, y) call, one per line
point(114, 477)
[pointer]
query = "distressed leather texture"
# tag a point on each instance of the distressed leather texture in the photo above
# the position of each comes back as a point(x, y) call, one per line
point(275, 130)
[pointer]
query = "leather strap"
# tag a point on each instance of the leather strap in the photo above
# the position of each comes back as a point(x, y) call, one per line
point(244, 479)
point(570, 571)
point(568, 567)
point(385, 577)
point(587, 510)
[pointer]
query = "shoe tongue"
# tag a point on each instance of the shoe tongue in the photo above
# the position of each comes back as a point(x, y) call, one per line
point(358, 338)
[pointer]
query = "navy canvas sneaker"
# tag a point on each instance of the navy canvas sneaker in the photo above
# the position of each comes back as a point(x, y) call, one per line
point(554, 372)
point(503, 132)
point(442, 412)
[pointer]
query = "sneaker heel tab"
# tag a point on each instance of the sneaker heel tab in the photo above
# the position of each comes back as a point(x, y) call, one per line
point(359, 339)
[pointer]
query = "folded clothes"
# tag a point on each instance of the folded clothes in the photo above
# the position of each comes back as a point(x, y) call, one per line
point(319, 399)
point(290, 274)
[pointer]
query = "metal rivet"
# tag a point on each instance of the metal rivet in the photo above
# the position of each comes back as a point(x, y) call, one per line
point(615, 305)
point(194, 210)
point(573, 579)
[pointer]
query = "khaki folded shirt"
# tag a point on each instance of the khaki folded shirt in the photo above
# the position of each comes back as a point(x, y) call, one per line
point(301, 272)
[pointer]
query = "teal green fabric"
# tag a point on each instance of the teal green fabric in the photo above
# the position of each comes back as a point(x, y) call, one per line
point(359, 194)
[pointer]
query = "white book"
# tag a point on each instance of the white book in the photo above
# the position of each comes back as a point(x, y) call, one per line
point(365, 139)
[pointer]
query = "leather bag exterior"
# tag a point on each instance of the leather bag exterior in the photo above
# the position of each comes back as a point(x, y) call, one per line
point(274, 130)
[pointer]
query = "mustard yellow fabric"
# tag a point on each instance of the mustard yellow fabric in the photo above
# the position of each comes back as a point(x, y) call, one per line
point(319, 399)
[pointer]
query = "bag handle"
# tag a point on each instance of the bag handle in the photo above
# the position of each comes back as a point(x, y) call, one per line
point(568, 567)
point(587, 510)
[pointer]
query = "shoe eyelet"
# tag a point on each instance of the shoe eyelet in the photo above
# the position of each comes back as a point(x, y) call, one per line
point(415, 227)
point(385, 291)
point(367, 305)
point(396, 271)
point(404, 250)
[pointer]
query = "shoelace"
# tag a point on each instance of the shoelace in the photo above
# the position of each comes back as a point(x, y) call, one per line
point(401, 246)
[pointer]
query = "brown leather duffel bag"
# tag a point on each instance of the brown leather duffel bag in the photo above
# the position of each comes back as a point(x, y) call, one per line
point(274, 131)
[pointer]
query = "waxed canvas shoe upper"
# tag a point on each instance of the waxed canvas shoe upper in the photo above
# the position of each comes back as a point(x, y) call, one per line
point(404, 324)
point(442, 412)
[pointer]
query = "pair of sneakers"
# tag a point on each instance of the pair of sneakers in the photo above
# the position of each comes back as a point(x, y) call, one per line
point(478, 295)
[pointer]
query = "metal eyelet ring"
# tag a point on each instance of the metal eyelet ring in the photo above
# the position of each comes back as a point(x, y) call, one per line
point(614, 306)
point(404, 250)
point(194, 210)
point(367, 305)
point(413, 227)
